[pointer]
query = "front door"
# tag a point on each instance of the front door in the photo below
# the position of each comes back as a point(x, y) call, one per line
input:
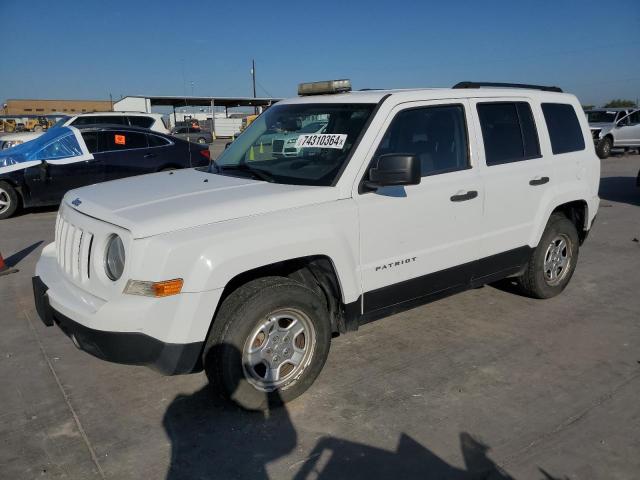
point(421, 240)
point(628, 130)
point(66, 165)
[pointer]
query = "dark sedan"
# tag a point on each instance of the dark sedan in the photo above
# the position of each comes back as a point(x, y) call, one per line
point(191, 134)
point(41, 171)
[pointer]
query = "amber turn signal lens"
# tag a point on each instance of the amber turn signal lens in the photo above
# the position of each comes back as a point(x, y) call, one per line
point(154, 289)
point(169, 287)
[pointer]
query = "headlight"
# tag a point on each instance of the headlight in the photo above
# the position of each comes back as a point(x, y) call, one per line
point(292, 140)
point(114, 258)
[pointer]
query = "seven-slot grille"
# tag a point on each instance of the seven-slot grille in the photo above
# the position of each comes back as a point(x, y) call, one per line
point(277, 146)
point(73, 249)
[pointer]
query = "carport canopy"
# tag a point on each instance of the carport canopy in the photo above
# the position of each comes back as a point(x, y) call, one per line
point(228, 102)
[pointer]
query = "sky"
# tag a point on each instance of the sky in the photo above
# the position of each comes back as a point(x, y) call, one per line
point(88, 49)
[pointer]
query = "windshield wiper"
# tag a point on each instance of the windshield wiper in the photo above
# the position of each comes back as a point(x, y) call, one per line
point(243, 167)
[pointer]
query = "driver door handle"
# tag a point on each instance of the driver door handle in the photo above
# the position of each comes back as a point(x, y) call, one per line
point(150, 155)
point(464, 196)
point(538, 181)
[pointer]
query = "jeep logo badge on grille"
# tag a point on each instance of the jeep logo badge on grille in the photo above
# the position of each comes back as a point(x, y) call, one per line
point(76, 202)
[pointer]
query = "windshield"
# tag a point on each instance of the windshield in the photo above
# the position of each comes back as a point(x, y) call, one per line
point(303, 144)
point(601, 116)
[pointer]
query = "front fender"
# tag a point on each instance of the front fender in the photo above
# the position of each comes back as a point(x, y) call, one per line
point(208, 257)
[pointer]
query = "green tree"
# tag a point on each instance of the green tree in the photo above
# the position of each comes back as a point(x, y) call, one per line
point(620, 103)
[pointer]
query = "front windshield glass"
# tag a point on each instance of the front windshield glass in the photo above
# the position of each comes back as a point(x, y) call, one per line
point(302, 144)
point(601, 116)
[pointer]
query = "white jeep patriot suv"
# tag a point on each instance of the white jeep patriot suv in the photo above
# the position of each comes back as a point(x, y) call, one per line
point(249, 267)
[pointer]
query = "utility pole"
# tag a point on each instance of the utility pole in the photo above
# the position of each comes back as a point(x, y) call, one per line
point(253, 77)
point(111, 100)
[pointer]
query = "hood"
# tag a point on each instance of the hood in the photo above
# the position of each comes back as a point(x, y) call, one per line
point(163, 202)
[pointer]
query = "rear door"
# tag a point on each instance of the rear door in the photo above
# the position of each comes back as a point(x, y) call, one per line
point(517, 176)
point(125, 153)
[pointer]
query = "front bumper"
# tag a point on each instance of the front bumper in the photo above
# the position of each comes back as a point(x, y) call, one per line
point(130, 348)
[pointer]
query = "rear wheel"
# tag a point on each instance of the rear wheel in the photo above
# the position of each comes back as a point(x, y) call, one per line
point(553, 262)
point(268, 343)
point(8, 200)
point(603, 149)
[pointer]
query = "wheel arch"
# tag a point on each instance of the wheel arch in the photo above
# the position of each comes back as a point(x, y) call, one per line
point(576, 210)
point(318, 272)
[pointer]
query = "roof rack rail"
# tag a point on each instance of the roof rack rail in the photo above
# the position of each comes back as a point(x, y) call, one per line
point(507, 85)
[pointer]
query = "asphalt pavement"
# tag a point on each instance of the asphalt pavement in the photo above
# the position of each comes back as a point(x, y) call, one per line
point(486, 384)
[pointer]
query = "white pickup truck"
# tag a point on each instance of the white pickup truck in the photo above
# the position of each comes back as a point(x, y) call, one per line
point(248, 268)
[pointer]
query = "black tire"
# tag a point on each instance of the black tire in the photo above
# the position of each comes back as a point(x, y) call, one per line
point(603, 148)
point(535, 282)
point(202, 140)
point(8, 194)
point(238, 318)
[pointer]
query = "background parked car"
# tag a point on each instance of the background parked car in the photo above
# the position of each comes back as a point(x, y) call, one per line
point(602, 122)
point(42, 171)
point(191, 134)
point(152, 121)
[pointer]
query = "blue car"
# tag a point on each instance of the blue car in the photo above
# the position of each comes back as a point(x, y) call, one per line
point(41, 171)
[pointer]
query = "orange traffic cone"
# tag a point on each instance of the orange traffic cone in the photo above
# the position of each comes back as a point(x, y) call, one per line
point(4, 269)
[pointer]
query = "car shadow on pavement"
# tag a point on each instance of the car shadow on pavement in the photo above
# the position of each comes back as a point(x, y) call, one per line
point(32, 210)
point(17, 257)
point(211, 438)
point(620, 189)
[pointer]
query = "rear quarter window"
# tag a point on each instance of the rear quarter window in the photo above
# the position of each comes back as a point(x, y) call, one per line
point(564, 129)
point(144, 122)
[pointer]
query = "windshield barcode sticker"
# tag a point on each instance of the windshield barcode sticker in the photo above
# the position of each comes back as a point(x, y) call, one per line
point(322, 140)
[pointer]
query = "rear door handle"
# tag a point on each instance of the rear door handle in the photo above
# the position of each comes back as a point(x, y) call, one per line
point(150, 155)
point(539, 181)
point(462, 197)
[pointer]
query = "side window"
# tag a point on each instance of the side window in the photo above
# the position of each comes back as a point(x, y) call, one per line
point(621, 116)
point(144, 122)
point(436, 135)
point(181, 130)
point(63, 147)
point(157, 141)
point(91, 141)
point(509, 132)
point(122, 140)
point(634, 118)
point(564, 128)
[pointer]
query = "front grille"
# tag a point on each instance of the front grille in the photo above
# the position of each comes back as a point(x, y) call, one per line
point(277, 145)
point(73, 249)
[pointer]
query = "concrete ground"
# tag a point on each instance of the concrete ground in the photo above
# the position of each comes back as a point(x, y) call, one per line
point(486, 384)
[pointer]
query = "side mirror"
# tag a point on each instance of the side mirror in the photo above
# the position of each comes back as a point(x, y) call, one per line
point(395, 169)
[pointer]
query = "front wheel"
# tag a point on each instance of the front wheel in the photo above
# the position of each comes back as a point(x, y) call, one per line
point(268, 343)
point(603, 149)
point(553, 261)
point(8, 200)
